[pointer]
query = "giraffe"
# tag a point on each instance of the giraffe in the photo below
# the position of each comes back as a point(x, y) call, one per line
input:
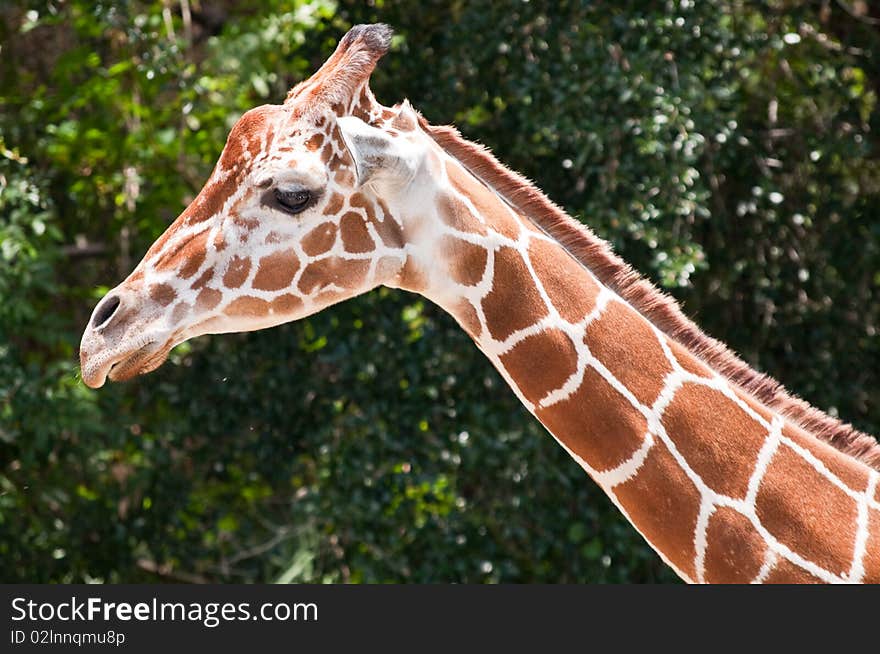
point(330, 194)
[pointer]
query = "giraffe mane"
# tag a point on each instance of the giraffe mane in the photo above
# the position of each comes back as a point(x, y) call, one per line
point(660, 309)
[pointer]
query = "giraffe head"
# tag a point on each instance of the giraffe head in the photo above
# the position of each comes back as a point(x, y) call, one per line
point(297, 215)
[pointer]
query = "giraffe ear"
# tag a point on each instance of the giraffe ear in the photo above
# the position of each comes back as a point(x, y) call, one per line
point(378, 156)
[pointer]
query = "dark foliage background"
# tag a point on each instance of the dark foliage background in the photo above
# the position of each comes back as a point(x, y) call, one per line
point(729, 150)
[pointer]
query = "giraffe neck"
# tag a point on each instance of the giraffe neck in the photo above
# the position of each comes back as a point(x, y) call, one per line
point(722, 487)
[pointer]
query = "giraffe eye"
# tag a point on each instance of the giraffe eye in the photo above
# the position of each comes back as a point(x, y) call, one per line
point(293, 201)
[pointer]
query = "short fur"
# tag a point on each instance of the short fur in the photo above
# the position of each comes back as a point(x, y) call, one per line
point(659, 308)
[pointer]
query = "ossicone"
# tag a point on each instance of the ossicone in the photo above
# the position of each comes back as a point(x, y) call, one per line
point(348, 68)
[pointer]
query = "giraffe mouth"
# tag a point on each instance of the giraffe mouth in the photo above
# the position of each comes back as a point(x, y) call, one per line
point(141, 361)
point(122, 366)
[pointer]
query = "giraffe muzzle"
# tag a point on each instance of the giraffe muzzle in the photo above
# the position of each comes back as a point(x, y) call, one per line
point(119, 345)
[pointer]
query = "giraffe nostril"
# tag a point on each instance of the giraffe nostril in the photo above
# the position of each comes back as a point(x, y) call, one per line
point(105, 311)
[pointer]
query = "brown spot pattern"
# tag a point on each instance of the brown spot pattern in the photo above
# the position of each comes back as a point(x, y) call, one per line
point(642, 369)
point(802, 510)
point(389, 231)
point(660, 496)
point(495, 212)
point(195, 255)
point(344, 178)
point(387, 228)
point(209, 202)
point(247, 306)
point(735, 550)
point(541, 363)
point(570, 287)
point(786, 572)
point(871, 562)
point(513, 303)
point(360, 201)
point(345, 273)
point(689, 361)
point(412, 276)
point(754, 405)
point(276, 271)
point(164, 294)
point(160, 242)
point(726, 457)
point(466, 261)
point(246, 224)
point(466, 316)
point(320, 239)
point(203, 279)
point(336, 135)
point(851, 472)
point(236, 272)
point(181, 311)
point(208, 298)
point(456, 214)
point(334, 204)
point(188, 255)
point(596, 423)
point(286, 304)
point(355, 237)
point(315, 141)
